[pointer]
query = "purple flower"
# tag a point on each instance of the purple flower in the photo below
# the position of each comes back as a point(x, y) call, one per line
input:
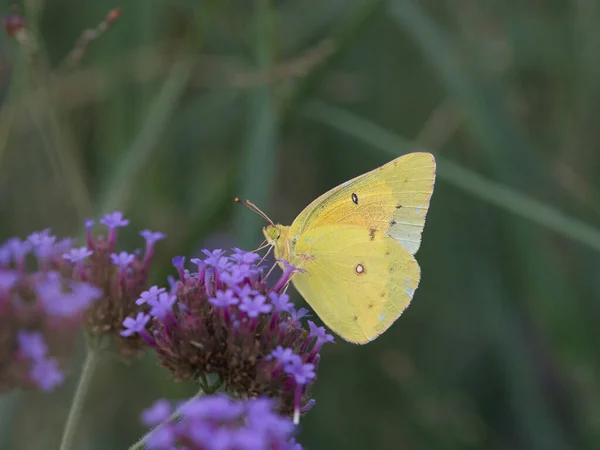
point(287, 275)
point(284, 355)
point(136, 325)
point(217, 422)
point(255, 306)
point(230, 321)
point(77, 254)
point(152, 236)
point(216, 407)
point(302, 372)
point(212, 257)
point(19, 249)
point(5, 256)
point(237, 274)
point(83, 294)
point(122, 260)
point(162, 306)
point(7, 279)
point(157, 413)
point(63, 246)
point(114, 220)
point(178, 262)
point(244, 257)
point(320, 333)
point(162, 438)
point(224, 299)
point(45, 374)
point(32, 344)
point(281, 302)
point(58, 302)
point(41, 238)
point(297, 315)
point(150, 295)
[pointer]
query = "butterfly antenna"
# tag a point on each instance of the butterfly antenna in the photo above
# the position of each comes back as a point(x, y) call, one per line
point(252, 207)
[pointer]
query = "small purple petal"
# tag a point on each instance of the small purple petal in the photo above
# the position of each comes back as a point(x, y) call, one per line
point(281, 302)
point(77, 254)
point(7, 279)
point(32, 344)
point(255, 306)
point(224, 299)
point(41, 238)
point(215, 407)
point(46, 374)
point(303, 373)
point(178, 262)
point(114, 220)
point(152, 236)
point(244, 257)
point(162, 438)
point(136, 325)
point(157, 413)
point(122, 260)
point(149, 295)
point(18, 248)
point(297, 315)
point(320, 333)
point(162, 306)
point(284, 355)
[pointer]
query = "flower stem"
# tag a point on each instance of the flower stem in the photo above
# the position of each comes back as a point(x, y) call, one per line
point(140, 444)
point(91, 361)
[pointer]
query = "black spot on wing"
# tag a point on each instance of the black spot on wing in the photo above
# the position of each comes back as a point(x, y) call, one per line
point(372, 233)
point(355, 198)
point(399, 207)
point(392, 223)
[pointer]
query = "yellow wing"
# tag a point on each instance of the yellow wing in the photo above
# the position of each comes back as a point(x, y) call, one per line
point(392, 199)
point(358, 284)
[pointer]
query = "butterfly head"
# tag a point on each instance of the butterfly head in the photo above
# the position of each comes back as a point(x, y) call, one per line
point(277, 237)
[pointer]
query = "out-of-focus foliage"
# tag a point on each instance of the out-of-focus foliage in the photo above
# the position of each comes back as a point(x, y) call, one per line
point(182, 105)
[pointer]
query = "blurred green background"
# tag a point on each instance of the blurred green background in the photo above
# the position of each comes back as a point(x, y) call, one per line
point(182, 105)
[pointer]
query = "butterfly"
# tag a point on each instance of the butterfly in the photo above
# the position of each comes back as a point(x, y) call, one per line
point(355, 245)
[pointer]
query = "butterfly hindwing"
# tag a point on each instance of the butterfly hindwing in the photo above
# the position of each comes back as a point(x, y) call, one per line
point(356, 281)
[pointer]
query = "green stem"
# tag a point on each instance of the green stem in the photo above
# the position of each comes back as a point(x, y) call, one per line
point(140, 444)
point(91, 361)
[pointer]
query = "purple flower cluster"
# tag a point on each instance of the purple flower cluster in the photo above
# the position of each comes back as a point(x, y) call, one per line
point(40, 310)
point(218, 422)
point(44, 370)
point(222, 318)
point(122, 276)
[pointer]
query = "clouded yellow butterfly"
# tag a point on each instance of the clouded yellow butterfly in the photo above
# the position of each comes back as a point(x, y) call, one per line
point(356, 245)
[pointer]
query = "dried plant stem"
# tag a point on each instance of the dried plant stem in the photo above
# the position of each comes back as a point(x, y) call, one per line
point(91, 361)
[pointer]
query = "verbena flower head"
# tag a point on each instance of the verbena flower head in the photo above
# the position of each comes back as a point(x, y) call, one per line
point(122, 277)
point(41, 308)
point(222, 318)
point(219, 422)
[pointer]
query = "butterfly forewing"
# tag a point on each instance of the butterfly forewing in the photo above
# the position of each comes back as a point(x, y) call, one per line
point(392, 199)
